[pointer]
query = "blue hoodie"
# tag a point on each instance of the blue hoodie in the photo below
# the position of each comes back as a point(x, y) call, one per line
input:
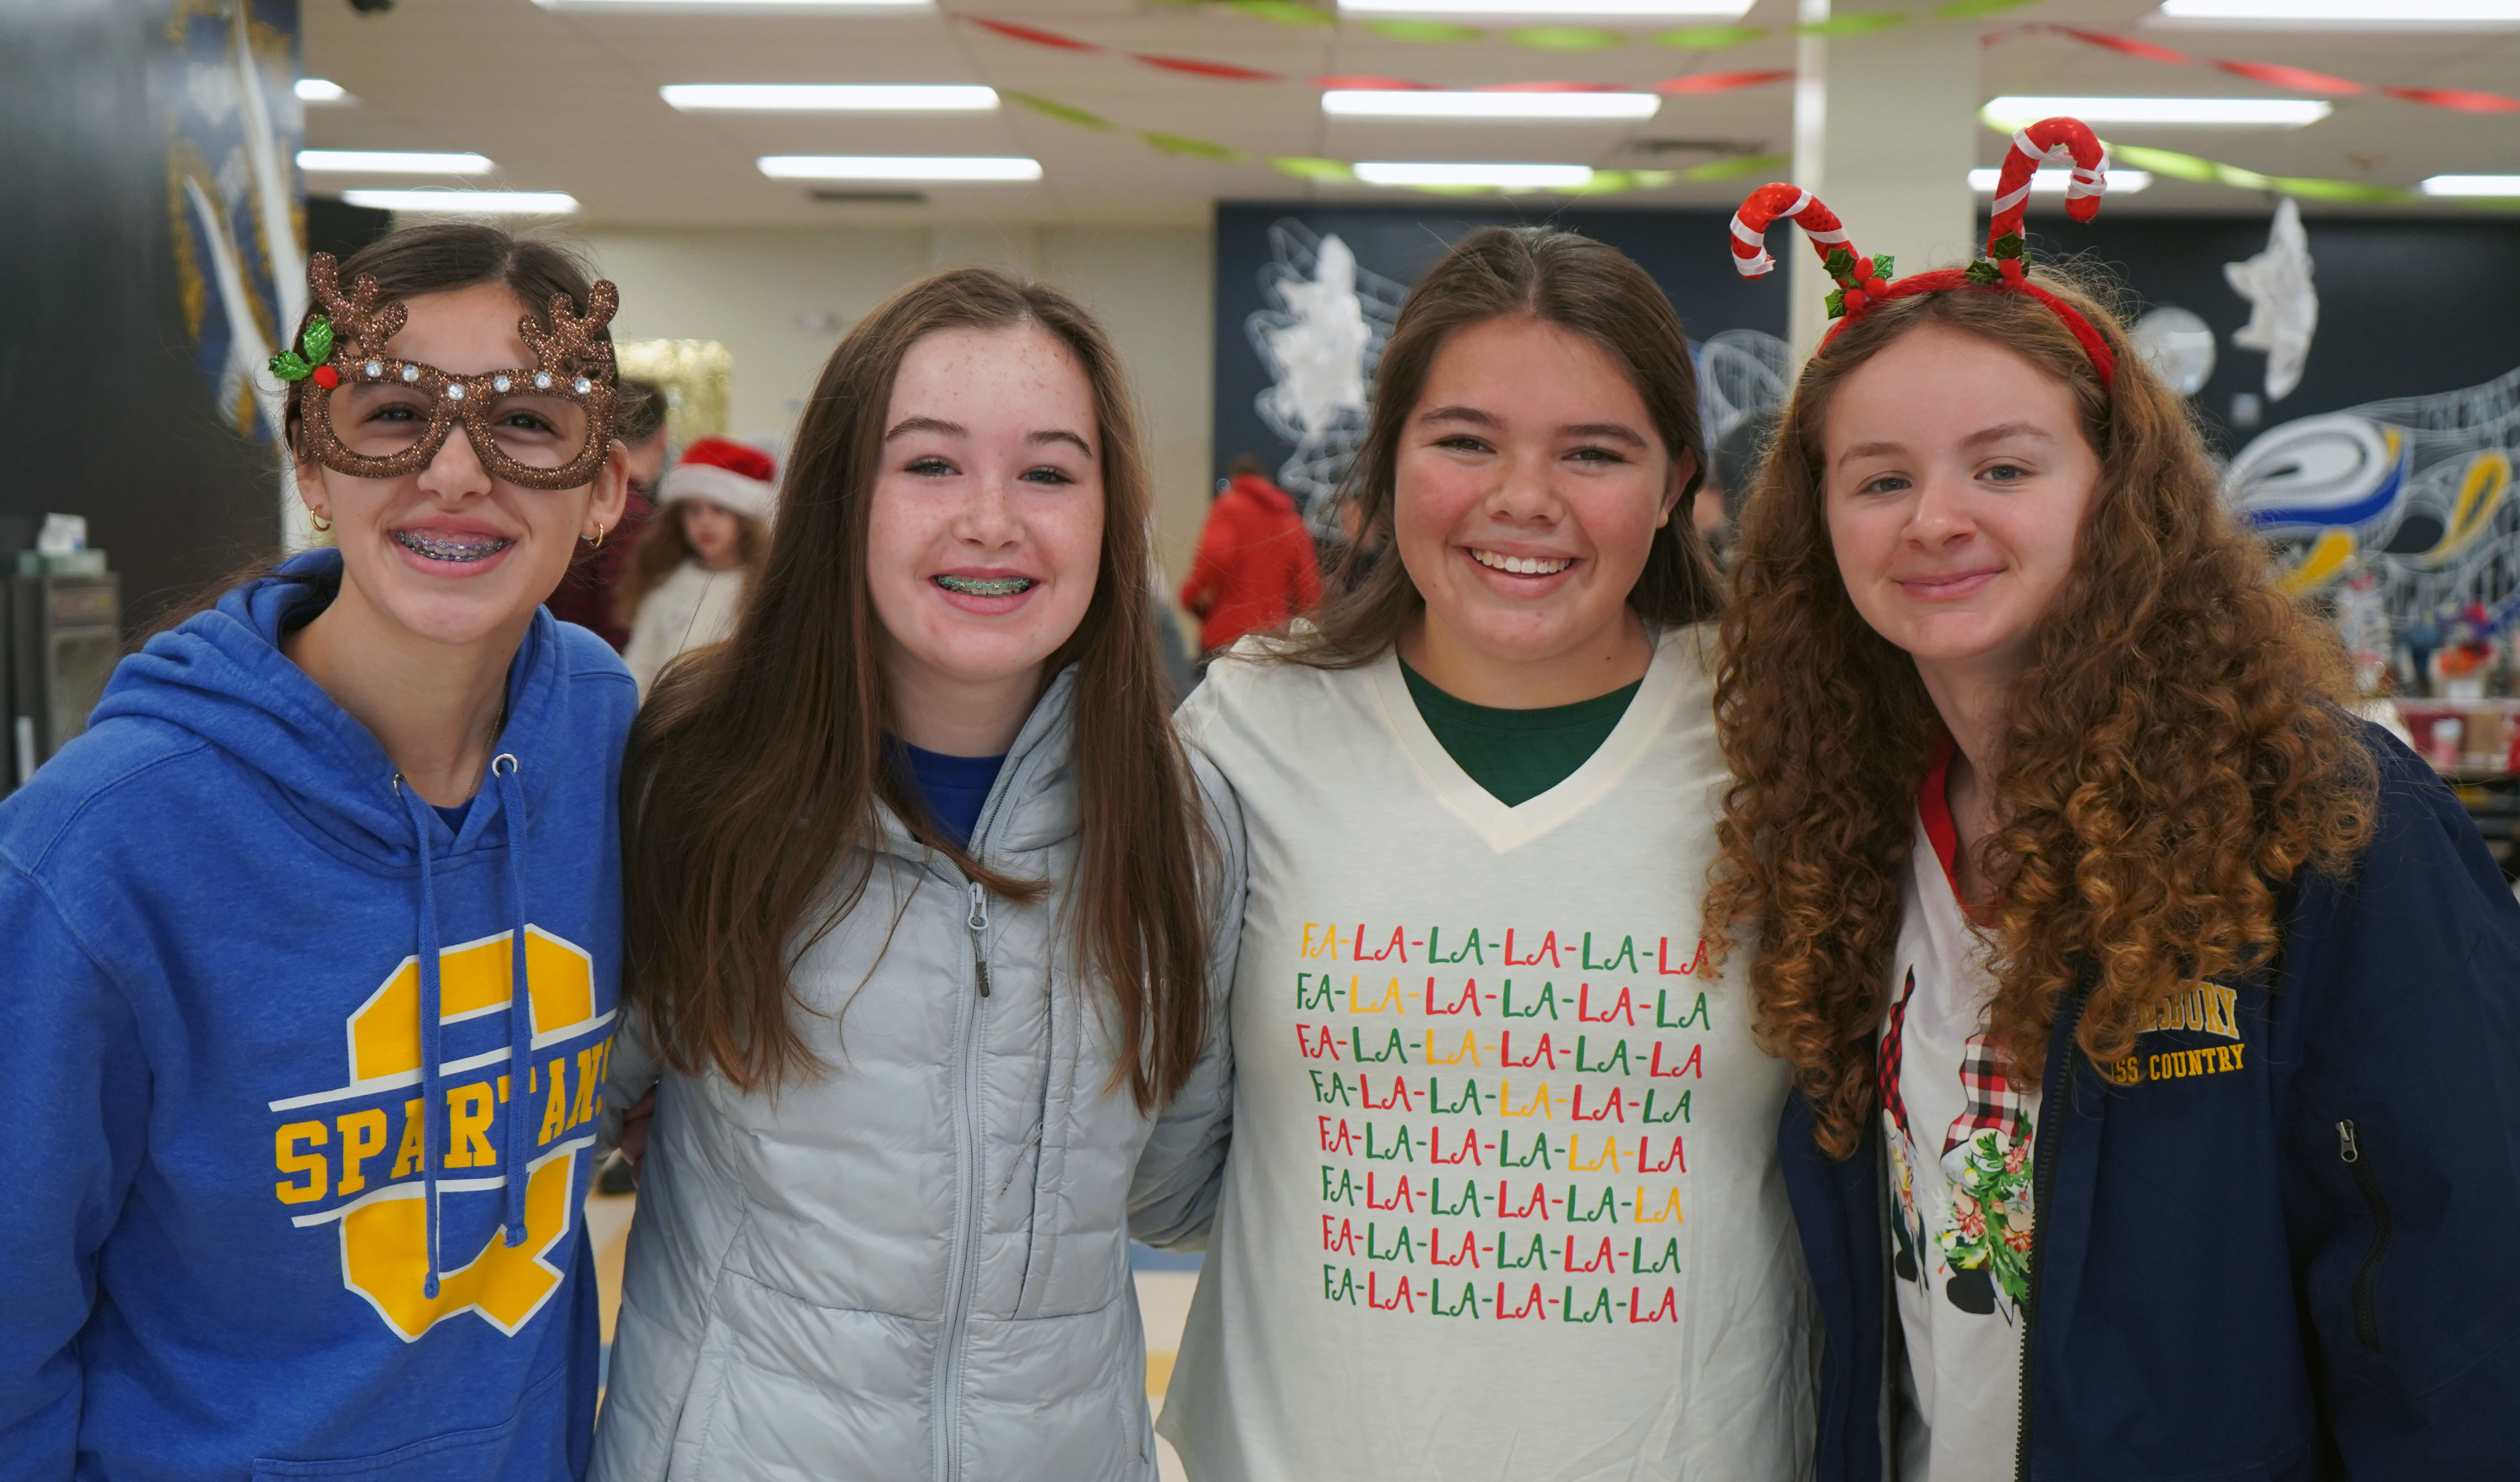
point(261, 1058)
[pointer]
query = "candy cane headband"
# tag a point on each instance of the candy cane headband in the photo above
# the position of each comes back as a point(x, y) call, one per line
point(1862, 282)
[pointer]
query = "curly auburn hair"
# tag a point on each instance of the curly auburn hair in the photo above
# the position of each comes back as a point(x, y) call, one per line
point(2175, 750)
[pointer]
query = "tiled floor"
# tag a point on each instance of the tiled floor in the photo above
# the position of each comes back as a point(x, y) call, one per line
point(1164, 1288)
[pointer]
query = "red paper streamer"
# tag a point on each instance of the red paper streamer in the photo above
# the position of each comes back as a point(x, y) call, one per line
point(2299, 80)
point(2463, 100)
point(1720, 82)
point(2125, 45)
point(1012, 31)
point(1225, 72)
point(1367, 83)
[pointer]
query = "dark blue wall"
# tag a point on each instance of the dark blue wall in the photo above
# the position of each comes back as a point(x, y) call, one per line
point(2407, 307)
point(1683, 251)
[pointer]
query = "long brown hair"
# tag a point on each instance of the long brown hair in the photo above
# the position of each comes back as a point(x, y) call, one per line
point(664, 544)
point(1559, 279)
point(750, 792)
point(2175, 750)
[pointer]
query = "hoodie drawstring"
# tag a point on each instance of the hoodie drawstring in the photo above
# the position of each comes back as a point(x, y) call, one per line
point(520, 1016)
point(431, 1013)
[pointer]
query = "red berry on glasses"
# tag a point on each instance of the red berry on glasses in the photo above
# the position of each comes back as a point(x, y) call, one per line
point(327, 378)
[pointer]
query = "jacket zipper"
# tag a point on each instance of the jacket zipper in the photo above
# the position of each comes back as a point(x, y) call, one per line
point(967, 1137)
point(2367, 1318)
point(979, 922)
point(947, 1452)
point(2055, 1108)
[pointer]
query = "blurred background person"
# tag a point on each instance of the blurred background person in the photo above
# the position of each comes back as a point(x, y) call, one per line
point(1255, 566)
point(586, 595)
point(686, 582)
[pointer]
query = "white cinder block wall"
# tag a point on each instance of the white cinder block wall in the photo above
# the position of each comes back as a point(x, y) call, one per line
point(780, 299)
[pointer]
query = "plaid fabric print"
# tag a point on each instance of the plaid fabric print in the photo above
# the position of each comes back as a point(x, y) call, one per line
point(1891, 1051)
point(1988, 1098)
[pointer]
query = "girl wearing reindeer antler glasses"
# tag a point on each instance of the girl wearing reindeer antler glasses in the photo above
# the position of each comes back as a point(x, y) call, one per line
point(298, 1174)
point(2153, 1017)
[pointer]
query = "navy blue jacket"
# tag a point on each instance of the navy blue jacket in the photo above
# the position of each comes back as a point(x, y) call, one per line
point(2297, 1257)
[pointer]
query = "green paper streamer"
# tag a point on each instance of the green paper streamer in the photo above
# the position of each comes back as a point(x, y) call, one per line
point(1566, 38)
point(1850, 25)
point(1615, 182)
point(1735, 169)
point(1285, 11)
point(1185, 146)
point(1964, 10)
point(1708, 38)
point(1054, 109)
point(1308, 167)
point(1425, 30)
point(318, 340)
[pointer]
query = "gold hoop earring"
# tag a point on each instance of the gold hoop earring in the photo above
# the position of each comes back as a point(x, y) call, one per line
point(599, 537)
point(322, 525)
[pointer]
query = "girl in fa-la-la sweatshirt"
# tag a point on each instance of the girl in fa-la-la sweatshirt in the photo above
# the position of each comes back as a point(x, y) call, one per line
point(1503, 1197)
point(297, 1175)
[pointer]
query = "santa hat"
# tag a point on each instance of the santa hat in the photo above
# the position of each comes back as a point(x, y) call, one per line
point(725, 472)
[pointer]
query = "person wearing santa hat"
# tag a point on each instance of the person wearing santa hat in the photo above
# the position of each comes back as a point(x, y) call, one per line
point(686, 583)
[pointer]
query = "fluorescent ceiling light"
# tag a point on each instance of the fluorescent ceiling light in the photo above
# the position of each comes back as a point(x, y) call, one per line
point(2053, 182)
point(389, 162)
point(2472, 185)
point(932, 168)
point(1402, 102)
point(1552, 9)
point(838, 97)
point(2011, 112)
point(1510, 177)
point(465, 203)
point(321, 90)
point(2366, 15)
point(746, 7)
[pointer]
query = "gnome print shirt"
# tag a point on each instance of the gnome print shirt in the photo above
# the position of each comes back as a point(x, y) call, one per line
point(1958, 1138)
point(1503, 1201)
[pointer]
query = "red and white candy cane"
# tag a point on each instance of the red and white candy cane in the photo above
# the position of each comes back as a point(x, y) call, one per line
point(1770, 202)
point(2067, 141)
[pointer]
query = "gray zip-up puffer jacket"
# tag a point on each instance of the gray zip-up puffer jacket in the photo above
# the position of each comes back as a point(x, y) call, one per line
point(916, 1264)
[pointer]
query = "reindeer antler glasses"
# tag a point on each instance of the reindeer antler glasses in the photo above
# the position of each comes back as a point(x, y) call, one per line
point(547, 426)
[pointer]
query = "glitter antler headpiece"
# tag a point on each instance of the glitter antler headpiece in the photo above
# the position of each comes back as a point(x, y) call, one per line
point(545, 425)
point(1864, 282)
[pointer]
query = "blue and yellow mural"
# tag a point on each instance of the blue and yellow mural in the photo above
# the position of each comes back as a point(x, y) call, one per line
point(233, 195)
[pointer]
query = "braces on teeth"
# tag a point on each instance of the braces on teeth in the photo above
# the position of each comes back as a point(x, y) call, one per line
point(985, 586)
point(448, 550)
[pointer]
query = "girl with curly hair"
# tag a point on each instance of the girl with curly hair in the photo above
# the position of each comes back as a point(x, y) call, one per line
point(2174, 1006)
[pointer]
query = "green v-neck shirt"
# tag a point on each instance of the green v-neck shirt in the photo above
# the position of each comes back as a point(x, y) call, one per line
point(1517, 755)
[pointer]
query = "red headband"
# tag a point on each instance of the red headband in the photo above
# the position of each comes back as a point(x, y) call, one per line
point(1861, 280)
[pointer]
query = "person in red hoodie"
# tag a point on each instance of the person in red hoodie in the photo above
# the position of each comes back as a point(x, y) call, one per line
point(1255, 566)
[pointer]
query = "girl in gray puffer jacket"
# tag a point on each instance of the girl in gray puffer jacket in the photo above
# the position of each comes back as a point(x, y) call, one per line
point(924, 901)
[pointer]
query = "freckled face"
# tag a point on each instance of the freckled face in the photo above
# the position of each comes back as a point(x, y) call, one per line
point(1958, 480)
point(449, 552)
point(985, 538)
point(1528, 488)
